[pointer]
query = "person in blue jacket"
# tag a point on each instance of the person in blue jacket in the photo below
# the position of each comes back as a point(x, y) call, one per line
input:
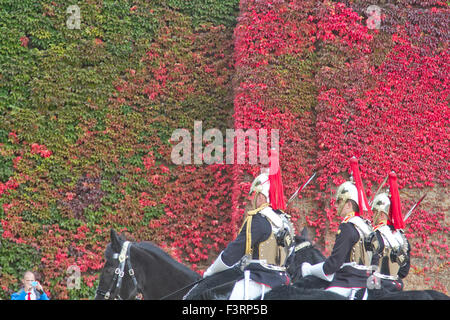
point(31, 290)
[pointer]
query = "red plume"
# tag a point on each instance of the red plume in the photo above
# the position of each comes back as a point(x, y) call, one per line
point(362, 199)
point(276, 190)
point(395, 210)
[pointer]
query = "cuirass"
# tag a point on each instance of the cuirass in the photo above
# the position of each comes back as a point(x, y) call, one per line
point(393, 243)
point(276, 248)
point(387, 263)
point(274, 253)
point(359, 254)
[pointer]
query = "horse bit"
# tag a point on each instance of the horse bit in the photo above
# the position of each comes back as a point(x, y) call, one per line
point(123, 258)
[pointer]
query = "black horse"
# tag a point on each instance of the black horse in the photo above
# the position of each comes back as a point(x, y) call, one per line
point(142, 269)
point(305, 251)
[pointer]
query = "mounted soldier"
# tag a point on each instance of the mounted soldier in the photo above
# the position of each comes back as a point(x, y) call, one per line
point(348, 267)
point(265, 239)
point(391, 249)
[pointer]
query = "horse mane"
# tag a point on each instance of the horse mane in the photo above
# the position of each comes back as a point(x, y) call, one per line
point(155, 251)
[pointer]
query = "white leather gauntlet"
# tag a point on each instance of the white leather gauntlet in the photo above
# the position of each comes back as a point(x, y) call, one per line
point(315, 270)
point(217, 266)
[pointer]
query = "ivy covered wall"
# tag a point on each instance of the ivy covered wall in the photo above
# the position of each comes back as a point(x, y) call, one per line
point(87, 115)
point(86, 118)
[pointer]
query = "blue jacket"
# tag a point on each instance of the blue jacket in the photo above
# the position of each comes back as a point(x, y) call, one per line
point(21, 295)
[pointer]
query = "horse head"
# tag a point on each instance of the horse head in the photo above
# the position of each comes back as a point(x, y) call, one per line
point(304, 251)
point(141, 267)
point(118, 279)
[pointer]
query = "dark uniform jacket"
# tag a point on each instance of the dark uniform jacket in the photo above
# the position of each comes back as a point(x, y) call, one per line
point(348, 276)
point(260, 231)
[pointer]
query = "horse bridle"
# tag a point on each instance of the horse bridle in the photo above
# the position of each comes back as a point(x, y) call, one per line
point(302, 245)
point(124, 258)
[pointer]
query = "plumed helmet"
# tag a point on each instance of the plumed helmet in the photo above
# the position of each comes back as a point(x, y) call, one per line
point(381, 203)
point(347, 191)
point(261, 184)
point(270, 184)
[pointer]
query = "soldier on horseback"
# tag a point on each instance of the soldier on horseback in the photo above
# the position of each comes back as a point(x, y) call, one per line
point(264, 242)
point(348, 267)
point(389, 245)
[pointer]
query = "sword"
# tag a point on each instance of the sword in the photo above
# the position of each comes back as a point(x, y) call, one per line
point(300, 189)
point(413, 208)
point(378, 190)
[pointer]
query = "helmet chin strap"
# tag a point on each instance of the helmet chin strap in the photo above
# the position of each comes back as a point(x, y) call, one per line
point(376, 215)
point(255, 198)
point(341, 207)
point(379, 214)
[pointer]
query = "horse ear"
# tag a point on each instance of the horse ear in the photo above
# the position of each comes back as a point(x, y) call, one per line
point(304, 233)
point(116, 242)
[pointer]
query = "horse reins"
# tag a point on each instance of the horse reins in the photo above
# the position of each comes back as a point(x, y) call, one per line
point(124, 258)
point(184, 288)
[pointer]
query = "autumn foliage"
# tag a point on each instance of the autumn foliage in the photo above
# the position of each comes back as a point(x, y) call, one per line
point(378, 94)
point(85, 137)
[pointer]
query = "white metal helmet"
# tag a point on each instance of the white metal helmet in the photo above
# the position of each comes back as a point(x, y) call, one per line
point(347, 191)
point(261, 184)
point(381, 203)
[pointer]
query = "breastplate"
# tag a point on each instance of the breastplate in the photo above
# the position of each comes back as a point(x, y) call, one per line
point(278, 246)
point(359, 254)
point(394, 245)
